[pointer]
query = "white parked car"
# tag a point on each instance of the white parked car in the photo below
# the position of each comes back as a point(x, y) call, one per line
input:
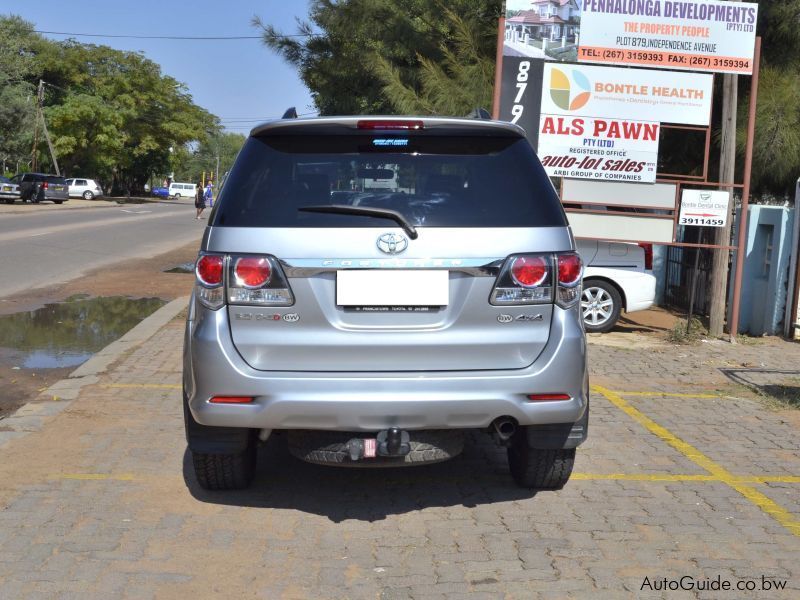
point(182, 190)
point(618, 276)
point(84, 188)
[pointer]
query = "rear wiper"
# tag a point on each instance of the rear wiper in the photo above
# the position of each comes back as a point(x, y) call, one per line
point(343, 209)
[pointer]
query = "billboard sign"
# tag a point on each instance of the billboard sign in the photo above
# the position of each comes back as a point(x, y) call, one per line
point(599, 149)
point(628, 94)
point(705, 35)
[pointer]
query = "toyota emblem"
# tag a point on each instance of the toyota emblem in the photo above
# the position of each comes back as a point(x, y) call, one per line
point(392, 243)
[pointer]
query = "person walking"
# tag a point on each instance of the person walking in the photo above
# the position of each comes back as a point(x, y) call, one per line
point(199, 199)
point(209, 194)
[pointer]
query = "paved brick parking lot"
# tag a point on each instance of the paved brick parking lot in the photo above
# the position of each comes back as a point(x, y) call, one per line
point(681, 476)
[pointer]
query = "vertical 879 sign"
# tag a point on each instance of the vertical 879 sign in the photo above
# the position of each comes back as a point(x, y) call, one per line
point(522, 85)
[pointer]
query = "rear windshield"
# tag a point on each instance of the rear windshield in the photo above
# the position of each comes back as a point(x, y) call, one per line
point(434, 181)
point(54, 179)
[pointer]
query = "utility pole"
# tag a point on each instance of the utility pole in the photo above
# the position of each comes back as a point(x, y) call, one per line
point(718, 291)
point(34, 153)
point(727, 167)
point(40, 115)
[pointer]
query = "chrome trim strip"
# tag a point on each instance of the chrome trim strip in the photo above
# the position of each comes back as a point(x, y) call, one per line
point(309, 267)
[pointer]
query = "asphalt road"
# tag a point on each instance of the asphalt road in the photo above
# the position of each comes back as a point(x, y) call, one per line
point(44, 248)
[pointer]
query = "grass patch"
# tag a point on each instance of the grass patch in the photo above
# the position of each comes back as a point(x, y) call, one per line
point(780, 396)
point(680, 334)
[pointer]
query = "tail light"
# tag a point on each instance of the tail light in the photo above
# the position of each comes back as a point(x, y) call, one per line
point(241, 279)
point(258, 281)
point(252, 272)
point(524, 279)
point(209, 270)
point(531, 279)
point(570, 271)
point(45, 185)
point(390, 124)
point(529, 271)
point(648, 256)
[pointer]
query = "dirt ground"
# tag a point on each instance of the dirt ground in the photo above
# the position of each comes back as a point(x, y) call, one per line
point(140, 278)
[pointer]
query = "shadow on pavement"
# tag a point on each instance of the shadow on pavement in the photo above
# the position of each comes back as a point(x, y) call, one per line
point(783, 386)
point(478, 476)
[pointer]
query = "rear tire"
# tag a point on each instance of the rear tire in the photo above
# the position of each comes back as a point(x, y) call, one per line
point(87, 195)
point(538, 469)
point(225, 471)
point(215, 470)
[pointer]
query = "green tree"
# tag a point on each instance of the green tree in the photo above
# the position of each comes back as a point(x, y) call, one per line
point(192, 161)
point(390, 56)
point(776, 150)
point(114, 115)
point(18, 46)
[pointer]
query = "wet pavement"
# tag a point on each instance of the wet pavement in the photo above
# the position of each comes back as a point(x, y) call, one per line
point(62, 335)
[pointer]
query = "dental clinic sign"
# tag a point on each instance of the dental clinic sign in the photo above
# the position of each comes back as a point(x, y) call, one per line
point(713, 36)
point(599, 149)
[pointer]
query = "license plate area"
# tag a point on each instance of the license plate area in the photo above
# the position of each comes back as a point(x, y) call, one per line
point(411, 290)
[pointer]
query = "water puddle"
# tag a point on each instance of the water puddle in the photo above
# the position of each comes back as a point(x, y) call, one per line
point(67, 334)
point(182, 268)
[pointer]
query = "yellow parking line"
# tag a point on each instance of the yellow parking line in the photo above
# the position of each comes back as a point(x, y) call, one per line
point(95, 476)
point(639, 477)
point(679, 477)
point(665, 394)
point(170, 386)
point(721, 474)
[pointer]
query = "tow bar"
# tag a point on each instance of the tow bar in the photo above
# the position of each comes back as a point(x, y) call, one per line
point(389, 442)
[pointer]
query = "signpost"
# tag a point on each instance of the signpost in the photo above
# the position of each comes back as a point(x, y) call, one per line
point(633, 94)
point(708, 35)
point(599, 149)
point(704, 208)
point(682, 35)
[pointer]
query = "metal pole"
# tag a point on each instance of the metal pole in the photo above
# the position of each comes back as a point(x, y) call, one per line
point(748, 169)
point(693, 291)
point(498, 67)
point(793, 287)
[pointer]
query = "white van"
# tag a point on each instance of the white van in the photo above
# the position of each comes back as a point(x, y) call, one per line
point(182, 190)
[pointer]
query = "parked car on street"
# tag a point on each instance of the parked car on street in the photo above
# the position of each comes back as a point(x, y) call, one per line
point(37, 187)
point(374, 329)
point(182, 190)
point(9, 191)
point(87, 189)
point(618, 276)
point(161, 192)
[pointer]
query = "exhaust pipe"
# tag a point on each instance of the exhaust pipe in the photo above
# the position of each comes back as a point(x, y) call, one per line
point(504, 428)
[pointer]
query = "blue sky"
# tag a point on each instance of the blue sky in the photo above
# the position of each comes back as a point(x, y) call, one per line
point(241, 81)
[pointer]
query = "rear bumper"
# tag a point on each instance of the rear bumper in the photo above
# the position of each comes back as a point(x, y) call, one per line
point(372, 401)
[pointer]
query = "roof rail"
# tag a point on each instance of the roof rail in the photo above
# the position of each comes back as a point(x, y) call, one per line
point(291, 113)
point(479, 113)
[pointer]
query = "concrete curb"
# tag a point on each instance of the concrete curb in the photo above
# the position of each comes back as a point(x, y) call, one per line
point(60, 395)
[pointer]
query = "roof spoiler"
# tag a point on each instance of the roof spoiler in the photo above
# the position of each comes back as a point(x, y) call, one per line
point(479, 113)
point(291, 113)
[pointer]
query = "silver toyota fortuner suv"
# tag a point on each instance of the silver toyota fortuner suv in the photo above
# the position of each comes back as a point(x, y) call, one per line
point(372, 288)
